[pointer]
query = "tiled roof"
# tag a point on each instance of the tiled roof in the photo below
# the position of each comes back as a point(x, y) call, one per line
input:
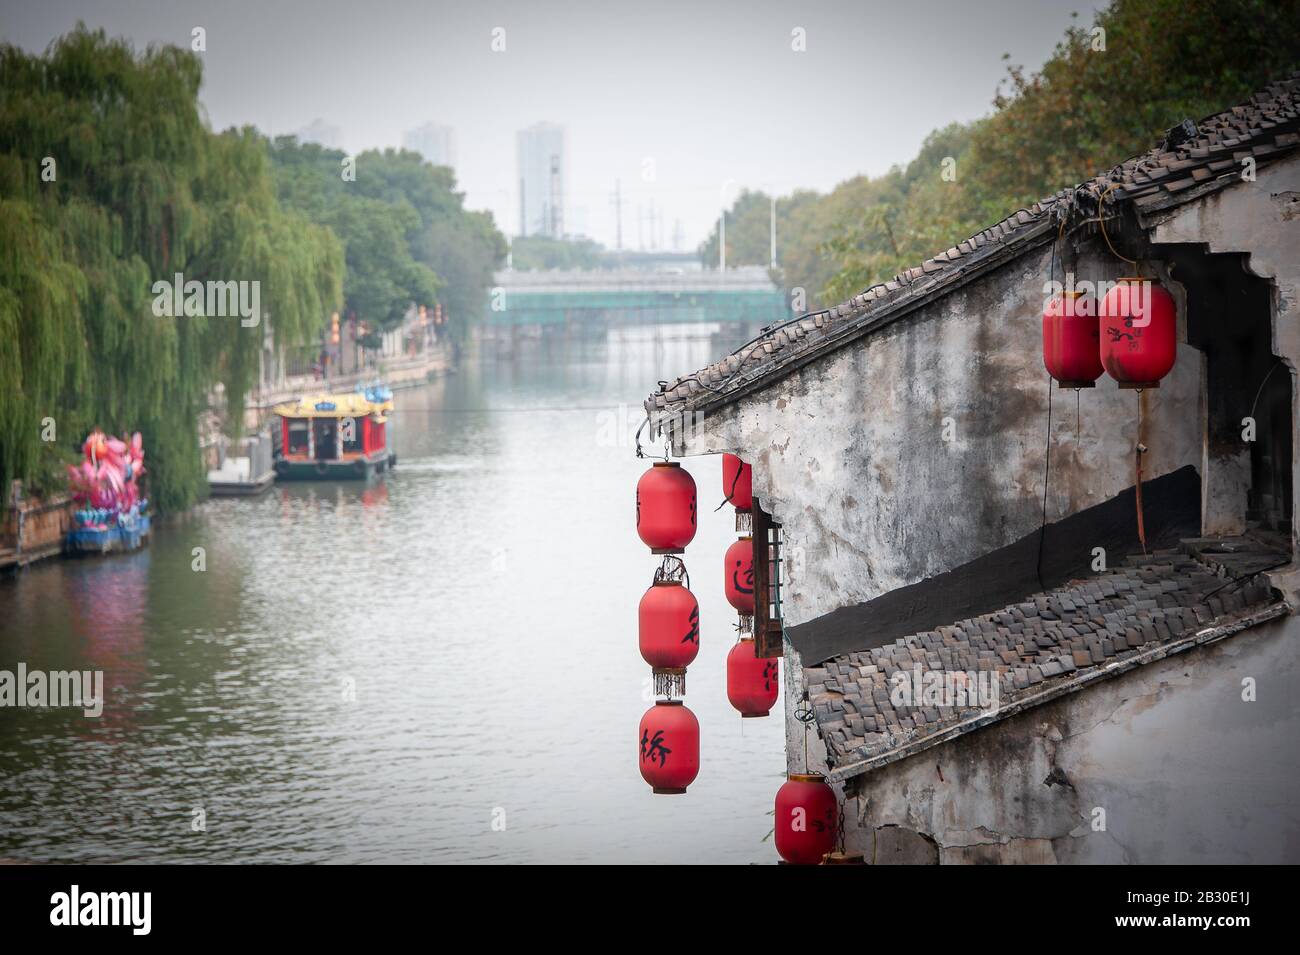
point(1044, 647)
point(1193, 159)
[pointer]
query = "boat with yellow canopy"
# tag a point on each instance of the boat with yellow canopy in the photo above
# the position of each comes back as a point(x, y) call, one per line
point(335, 436)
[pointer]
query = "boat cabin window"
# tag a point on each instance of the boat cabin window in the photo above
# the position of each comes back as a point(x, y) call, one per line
point(297, 436)
point(354, 435)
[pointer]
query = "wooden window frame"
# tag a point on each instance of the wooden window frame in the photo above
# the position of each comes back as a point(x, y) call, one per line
point(768, 632)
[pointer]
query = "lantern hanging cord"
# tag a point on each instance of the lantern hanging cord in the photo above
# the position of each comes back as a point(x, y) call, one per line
point(1137, 496)
point(732, 492)
point(673, 568)
point(839, 828)
point(1260, 390)
point(1047, 453)
point(1101, 220)
point(804, 714)
point(1047, 471)
point(639, 452)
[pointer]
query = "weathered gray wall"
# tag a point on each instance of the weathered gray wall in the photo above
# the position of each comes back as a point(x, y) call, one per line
point(1185, 770)
point(849, 453)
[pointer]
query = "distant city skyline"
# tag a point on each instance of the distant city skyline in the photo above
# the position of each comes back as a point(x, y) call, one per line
point(685, 107)
point(322, 133)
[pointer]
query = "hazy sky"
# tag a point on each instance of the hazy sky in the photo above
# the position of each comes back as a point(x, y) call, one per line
point(710, 92)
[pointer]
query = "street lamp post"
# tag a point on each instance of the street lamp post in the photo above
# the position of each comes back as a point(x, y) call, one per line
point(722, 224)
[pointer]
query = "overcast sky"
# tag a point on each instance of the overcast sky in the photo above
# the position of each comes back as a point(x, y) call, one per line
point(710, 91)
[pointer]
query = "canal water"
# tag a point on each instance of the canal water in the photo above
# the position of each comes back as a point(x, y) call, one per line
point(440, 666)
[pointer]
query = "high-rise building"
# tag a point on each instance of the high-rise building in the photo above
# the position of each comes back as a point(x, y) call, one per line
point(543, 171)
point(435, 143)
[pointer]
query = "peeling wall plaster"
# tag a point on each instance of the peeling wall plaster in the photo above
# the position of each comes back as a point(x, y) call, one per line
point(850, 454)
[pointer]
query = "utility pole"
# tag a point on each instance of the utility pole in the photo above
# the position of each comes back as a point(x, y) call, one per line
point(722, 241)
point(722, 225)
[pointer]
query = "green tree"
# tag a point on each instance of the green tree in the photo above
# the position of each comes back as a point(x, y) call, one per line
point(408, 236)
point(141, 190)
point(749, 233)
point(1087, 109)
point(375, 221)
point(466, 250)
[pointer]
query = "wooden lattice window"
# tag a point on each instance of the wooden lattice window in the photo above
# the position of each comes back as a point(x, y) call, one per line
point(768, 575)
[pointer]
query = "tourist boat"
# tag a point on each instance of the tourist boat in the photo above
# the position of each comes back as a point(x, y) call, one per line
point(335, 436)
point(107, 532)
point(107, 489)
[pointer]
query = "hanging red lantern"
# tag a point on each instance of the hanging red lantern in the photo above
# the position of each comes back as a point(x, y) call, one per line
point(737, 482)
point(665, 508)
point(738, 575)
point(668, 621)
point(752, 681)
point(1072, 340)
point(669, 747)
point(806, 817)
point(1139, 332)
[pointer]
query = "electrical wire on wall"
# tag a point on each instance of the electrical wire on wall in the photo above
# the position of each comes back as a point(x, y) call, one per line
point(1047, 453)
point(1139, 448)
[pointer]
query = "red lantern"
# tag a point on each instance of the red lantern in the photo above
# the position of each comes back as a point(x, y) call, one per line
point(738, 575)
point(1072, 340)
point(670, 747)
point(1139, 332)
point(806, 817)
point(669, 628)
point(752, 681)
point(737, 482)
point(665, 508)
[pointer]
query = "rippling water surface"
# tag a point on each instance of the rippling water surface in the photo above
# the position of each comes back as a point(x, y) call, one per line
point(481, 600)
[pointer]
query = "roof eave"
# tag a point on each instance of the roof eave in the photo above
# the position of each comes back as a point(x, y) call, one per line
point(877, 315)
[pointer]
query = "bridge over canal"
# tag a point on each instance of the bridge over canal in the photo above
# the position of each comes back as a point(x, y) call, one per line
point(605, 297)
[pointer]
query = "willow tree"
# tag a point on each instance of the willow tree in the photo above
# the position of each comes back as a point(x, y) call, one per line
point(110, 181)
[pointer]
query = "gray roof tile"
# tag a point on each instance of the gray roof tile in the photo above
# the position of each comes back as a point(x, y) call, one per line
point(1094, 623)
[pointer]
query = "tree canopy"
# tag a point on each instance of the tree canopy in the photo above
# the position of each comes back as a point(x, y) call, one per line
point(109, 182)
point(407, 235)
point(1104, 94)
